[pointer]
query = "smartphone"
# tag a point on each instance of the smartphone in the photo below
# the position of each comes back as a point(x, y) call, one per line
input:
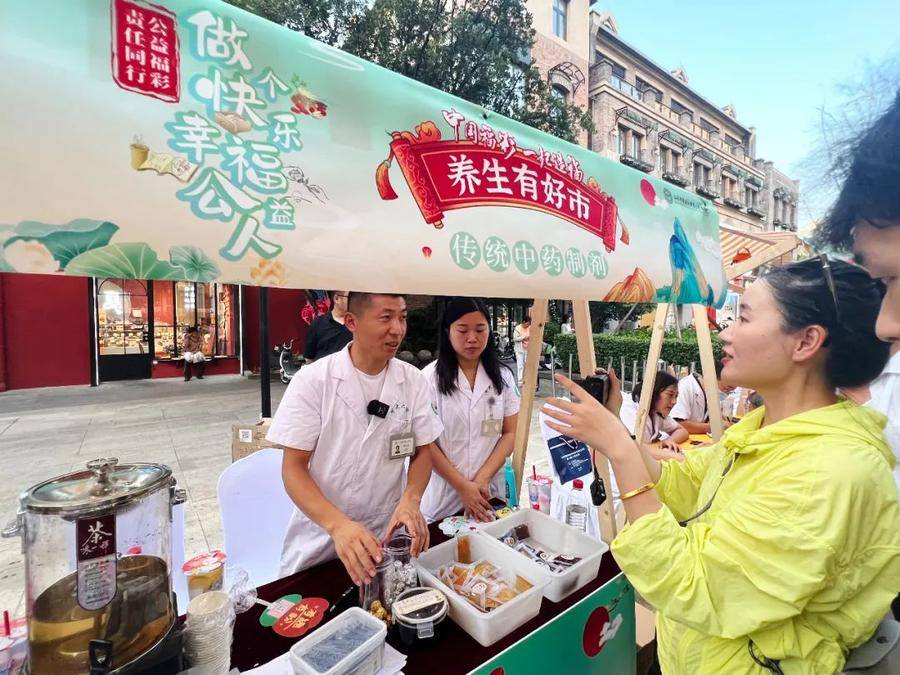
point(597, 386)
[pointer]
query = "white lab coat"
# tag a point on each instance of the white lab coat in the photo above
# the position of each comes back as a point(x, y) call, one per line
point(691, 404)
point(324, 411)
point(885, 391)
point(462, 413)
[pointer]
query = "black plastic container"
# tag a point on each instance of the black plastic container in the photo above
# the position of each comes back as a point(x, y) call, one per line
point(420, 626)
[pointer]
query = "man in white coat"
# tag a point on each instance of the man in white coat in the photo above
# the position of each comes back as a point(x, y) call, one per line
point(349, 423)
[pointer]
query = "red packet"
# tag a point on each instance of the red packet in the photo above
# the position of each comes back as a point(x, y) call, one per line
point(301, 618)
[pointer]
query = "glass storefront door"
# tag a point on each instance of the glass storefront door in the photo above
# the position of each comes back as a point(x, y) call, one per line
point(124, 319)
point(140, 323)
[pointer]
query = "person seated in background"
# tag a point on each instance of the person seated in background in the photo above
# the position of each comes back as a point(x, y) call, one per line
point(192, 353)
point(660, 426)
point(692, 408)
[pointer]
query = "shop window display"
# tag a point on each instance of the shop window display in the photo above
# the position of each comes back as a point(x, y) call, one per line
point(122, 317)
point(179, 305)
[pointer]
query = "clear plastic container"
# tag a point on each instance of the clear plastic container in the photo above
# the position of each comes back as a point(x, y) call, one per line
point(487, 628)
point(552, 535)
point(394, 575)
point(333, 650)
point(399, 547)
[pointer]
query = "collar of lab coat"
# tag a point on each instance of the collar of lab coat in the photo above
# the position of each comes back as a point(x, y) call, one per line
point(893, 365)
point(349, 389)
point(482, 384)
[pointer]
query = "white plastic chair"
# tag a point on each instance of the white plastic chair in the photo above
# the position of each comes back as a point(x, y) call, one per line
point(255, 511)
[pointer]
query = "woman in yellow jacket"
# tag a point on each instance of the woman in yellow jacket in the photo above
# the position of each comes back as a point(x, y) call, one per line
point(776, 549)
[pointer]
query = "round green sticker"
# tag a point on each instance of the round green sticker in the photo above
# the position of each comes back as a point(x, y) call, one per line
point(552, 260)
point(464, 250)
point(277, 609)
point(525, 257)
point(575, 263)
point(496, 254)
point(597, 265)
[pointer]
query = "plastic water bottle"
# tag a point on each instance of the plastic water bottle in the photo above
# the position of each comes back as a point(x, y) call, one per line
point(512, 499)
point(576, 511)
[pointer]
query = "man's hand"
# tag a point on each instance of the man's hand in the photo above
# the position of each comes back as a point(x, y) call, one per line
point(358, 550)
point(475, 497)
point(409, 514)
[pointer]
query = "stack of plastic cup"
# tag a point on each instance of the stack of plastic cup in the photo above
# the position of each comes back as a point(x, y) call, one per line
point(208, 632)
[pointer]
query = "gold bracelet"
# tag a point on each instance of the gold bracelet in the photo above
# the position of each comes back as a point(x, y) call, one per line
point(638, 491)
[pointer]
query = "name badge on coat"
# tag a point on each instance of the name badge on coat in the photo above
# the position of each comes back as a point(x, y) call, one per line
point(492, 425)
point(402, 445)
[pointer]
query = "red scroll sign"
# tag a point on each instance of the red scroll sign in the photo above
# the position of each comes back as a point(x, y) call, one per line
point(447, 175)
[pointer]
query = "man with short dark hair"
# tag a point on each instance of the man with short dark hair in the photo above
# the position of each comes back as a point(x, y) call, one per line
point(349, 423)
point(866, 216)
point(866, 219)
point(327, 333)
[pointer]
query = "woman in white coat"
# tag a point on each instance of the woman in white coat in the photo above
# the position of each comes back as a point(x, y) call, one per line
point(478, 403)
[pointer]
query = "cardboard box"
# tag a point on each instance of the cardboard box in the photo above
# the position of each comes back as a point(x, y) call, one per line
point(248, 438)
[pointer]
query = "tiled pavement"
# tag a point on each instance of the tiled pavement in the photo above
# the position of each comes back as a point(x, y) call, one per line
point(48, 432)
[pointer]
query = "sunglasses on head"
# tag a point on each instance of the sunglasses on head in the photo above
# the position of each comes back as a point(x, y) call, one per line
point(829, 280)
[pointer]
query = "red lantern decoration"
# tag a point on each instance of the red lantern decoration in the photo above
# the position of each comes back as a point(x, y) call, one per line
point(742, 254)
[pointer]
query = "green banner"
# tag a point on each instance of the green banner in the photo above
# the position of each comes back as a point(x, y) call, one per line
point(192, 140)
point(597, 635)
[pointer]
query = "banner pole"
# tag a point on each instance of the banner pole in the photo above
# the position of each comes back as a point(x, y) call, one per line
point(265, 389)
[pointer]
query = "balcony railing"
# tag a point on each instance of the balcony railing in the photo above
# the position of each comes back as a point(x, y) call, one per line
point(756, 211)
point(779, 224)
point(625, 88)
point(739, 152)
point(676, 178)
point(709, 190)
point(636, 162)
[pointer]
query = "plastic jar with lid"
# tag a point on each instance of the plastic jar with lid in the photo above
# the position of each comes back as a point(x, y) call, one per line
point(418, 616)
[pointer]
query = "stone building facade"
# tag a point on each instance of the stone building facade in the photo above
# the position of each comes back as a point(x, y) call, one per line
point(650, 118)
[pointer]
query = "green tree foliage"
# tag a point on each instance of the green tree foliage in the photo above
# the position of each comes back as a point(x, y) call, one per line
point(475, 49)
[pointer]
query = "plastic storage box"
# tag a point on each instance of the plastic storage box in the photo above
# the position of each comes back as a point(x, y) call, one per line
point(486, 627)
point(556, 536)
point(361, 658)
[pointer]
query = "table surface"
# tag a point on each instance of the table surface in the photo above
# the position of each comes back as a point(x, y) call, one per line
point(696, 440)
point(456, 653)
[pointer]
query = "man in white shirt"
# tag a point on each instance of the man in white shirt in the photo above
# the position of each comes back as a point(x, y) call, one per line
point(883, 394)
point(349, 423)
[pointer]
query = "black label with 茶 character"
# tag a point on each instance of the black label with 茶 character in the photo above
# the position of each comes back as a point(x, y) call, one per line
point(96, 555)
